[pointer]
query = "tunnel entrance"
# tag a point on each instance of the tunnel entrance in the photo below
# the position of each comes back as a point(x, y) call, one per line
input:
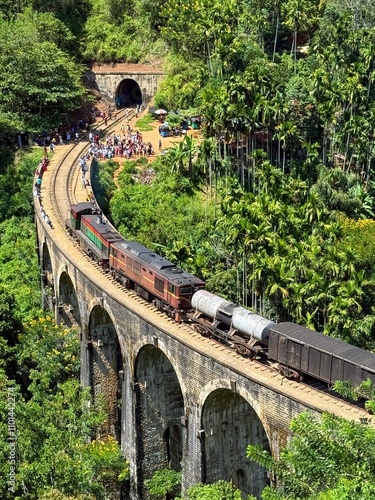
point(128, 94)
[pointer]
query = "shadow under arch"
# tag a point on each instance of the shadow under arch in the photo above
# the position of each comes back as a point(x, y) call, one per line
point(47, 281)
point(159, 408)
point(68, 307)
point(105, 364)
point(230, 425)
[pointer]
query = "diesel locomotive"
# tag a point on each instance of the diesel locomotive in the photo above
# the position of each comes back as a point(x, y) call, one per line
point(297, 351)
point(153, 277)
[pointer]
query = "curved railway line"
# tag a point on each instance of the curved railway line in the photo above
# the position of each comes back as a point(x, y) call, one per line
point(61, 188)
point(65, 169)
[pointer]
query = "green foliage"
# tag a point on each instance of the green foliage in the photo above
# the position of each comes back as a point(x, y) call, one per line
point(365, 390)
point(53, 494)
point(178, 90)
point(119, 31)
point(55, 421)
point(41, 88)
point(10, 326)
point(71, 14)
point(143, 124)
point(16, 179)
point(18, 260)
point(370, 406)
point(56, 453)
point(335, 188)
point(323, 459)
point(215, 491)
point(104, 185)
point(163, 482)
point(44, 345)
point(360, 235)
point(17, 252)
point(10, 329)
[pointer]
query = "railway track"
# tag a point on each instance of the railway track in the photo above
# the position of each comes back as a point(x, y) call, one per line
point(65, 189)
point(66, 171)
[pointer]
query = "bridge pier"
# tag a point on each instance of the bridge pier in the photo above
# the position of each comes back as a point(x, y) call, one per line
point(185, 401)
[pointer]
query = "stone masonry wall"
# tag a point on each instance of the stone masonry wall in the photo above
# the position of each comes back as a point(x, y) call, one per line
point(167, 388)
point(107, 84)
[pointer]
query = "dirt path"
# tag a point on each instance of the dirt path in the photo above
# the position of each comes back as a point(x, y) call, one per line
point(151, 136)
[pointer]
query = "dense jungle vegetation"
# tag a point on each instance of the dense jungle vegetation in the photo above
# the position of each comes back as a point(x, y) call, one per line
point(280, 186)
point(273, 205)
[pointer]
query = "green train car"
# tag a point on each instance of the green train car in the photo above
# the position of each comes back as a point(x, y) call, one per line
point(92, 232)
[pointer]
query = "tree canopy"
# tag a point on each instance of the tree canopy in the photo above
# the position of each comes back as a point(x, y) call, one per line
point(273, 206)
point(325, 460)
point(40, 82)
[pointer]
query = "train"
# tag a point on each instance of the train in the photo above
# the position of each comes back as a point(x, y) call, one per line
point(153, 277)
point(297, 351)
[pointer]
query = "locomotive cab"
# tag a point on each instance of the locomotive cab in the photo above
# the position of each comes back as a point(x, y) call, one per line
point(76, 211)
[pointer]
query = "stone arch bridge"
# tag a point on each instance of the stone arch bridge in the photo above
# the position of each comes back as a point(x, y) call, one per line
point(125, 84)
point(173, 397)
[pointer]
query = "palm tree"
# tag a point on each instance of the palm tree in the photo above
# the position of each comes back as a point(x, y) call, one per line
point(285, 131)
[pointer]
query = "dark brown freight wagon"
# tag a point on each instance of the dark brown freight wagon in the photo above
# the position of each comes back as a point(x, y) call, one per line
point(300, 351)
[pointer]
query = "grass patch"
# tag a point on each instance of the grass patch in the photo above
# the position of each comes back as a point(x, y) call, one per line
point(144, 124)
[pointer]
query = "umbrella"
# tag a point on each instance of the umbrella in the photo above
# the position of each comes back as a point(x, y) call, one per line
point(160, 112)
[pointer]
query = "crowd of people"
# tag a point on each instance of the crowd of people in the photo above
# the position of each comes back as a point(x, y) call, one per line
point(125, 144)
point(42, 167)
point(73, 132)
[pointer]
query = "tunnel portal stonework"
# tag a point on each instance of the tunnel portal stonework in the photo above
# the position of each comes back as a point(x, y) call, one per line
point(128, 84)
point(168, 402)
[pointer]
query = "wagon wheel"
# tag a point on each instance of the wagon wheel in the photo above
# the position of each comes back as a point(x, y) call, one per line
point(202, 330)
point(290, 373)
point(244, 351)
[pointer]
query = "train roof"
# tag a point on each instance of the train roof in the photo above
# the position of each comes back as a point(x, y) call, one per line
point(158, 263)
point(326, 344)
point(84, 207)
point(103, 228)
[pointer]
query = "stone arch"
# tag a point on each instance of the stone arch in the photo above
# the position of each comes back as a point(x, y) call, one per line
point(159, 412)
point(47, 282)
point(156, 341)
point(248, 395)
point(46, 259)
point(105, 365)
point(230, 425)
point(68, 306)
point(128, 94)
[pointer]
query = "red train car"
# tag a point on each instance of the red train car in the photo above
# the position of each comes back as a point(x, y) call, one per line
point(153, 277)
point(156, 279)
